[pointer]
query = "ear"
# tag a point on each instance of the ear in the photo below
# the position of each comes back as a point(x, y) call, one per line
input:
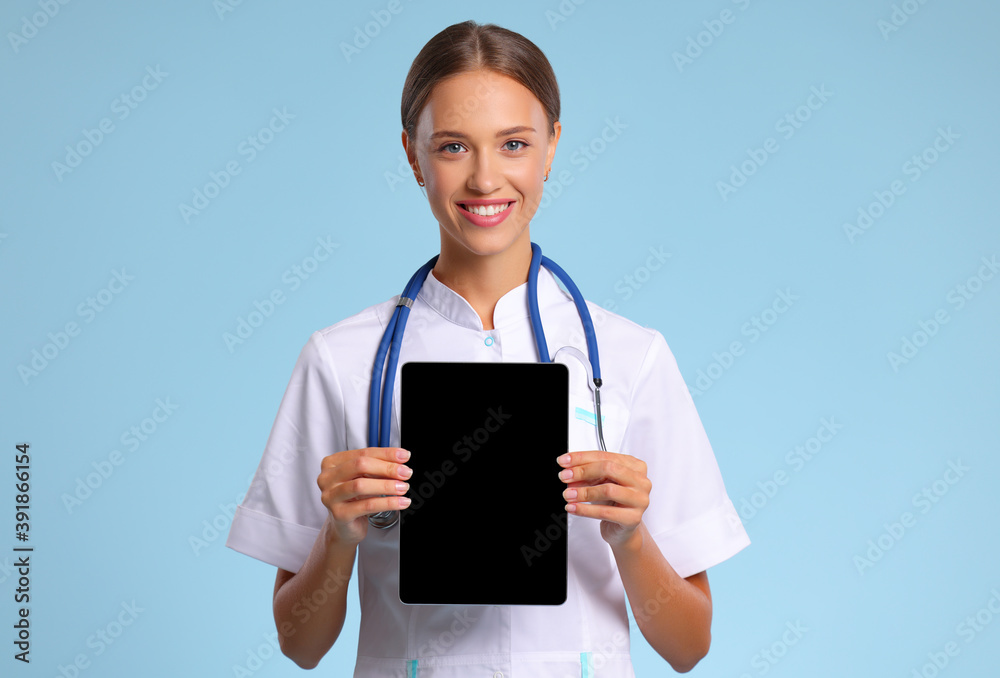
point(553, 141)
point(411, 152)
point(408, 147)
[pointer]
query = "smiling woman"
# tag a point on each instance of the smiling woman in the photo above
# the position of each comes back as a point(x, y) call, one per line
point(647, 512)
point(482, 143)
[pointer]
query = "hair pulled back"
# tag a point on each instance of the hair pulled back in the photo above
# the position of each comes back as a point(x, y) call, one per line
point(469, 46)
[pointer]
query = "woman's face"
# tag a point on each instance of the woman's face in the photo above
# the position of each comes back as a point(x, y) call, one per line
point(482, 136)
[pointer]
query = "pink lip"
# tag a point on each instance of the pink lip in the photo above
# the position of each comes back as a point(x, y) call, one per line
point(485, 222)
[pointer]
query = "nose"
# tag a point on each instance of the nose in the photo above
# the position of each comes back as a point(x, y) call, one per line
point(485, 176)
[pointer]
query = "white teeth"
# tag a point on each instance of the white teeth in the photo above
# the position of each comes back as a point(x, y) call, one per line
point(488, 210)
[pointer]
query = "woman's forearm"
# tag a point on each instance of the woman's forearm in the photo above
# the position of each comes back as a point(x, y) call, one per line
point(674, 615)
point(310, 608)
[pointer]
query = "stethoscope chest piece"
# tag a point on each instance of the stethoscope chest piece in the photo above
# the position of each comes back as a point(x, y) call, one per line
point(383, 519)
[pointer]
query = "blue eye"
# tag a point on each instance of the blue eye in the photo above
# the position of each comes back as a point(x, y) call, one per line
point(447, 146)
point(516, 142)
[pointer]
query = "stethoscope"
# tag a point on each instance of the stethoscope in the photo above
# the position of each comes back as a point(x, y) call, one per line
point(379, 422)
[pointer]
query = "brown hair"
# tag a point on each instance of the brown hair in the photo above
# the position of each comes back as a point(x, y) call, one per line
point(469, 46)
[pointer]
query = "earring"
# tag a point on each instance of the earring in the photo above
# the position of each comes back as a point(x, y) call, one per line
point(547, 174)
point(420, 182)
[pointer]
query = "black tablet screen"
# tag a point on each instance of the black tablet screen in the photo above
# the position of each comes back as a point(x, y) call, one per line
point(487, 523)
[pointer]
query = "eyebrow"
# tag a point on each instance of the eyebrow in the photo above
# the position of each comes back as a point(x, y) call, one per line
point(501, 133)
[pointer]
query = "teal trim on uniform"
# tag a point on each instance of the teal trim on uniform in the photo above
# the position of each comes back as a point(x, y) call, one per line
point(411, 669)
point(585, 661)
point(588, 416)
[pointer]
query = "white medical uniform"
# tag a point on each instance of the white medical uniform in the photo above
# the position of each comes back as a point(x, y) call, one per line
point(648, 413)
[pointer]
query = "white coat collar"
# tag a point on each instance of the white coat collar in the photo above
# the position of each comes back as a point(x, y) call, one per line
point(511, 308)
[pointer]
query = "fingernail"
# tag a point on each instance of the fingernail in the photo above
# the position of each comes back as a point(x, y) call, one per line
point(402, 455)
point(405, 471)
point(563, 459)
point(567, 474)
point(402, 487)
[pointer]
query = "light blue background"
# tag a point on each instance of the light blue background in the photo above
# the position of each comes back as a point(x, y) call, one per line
point(330, 173)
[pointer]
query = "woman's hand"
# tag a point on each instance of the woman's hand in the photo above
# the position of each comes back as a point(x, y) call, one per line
point(615, 484)
point(352, 483)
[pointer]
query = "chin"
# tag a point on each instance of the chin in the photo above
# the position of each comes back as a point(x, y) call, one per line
point(489, 242)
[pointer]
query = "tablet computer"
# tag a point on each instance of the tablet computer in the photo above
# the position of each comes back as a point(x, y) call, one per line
point(487, 523)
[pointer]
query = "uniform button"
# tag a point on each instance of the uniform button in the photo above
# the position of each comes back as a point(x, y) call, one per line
point(489, 342)
point(498, 674)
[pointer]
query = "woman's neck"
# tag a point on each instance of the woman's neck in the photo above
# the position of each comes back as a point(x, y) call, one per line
point(483, 279)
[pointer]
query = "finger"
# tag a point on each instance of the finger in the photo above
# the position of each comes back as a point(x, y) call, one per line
point(601, 470)
point(626, 517)
point(361, 489)
point(618, 495)
point(581, 457)
point(361, 496)
point(627, 475)
point(381, 462)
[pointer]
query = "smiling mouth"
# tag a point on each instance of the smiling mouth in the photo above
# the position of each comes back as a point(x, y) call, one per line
point(485, 210)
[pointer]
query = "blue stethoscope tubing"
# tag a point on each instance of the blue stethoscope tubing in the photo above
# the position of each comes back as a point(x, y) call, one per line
point(379, 418)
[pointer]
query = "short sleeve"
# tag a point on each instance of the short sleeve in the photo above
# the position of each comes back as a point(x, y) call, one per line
point(690, 516)
point(282, 512)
